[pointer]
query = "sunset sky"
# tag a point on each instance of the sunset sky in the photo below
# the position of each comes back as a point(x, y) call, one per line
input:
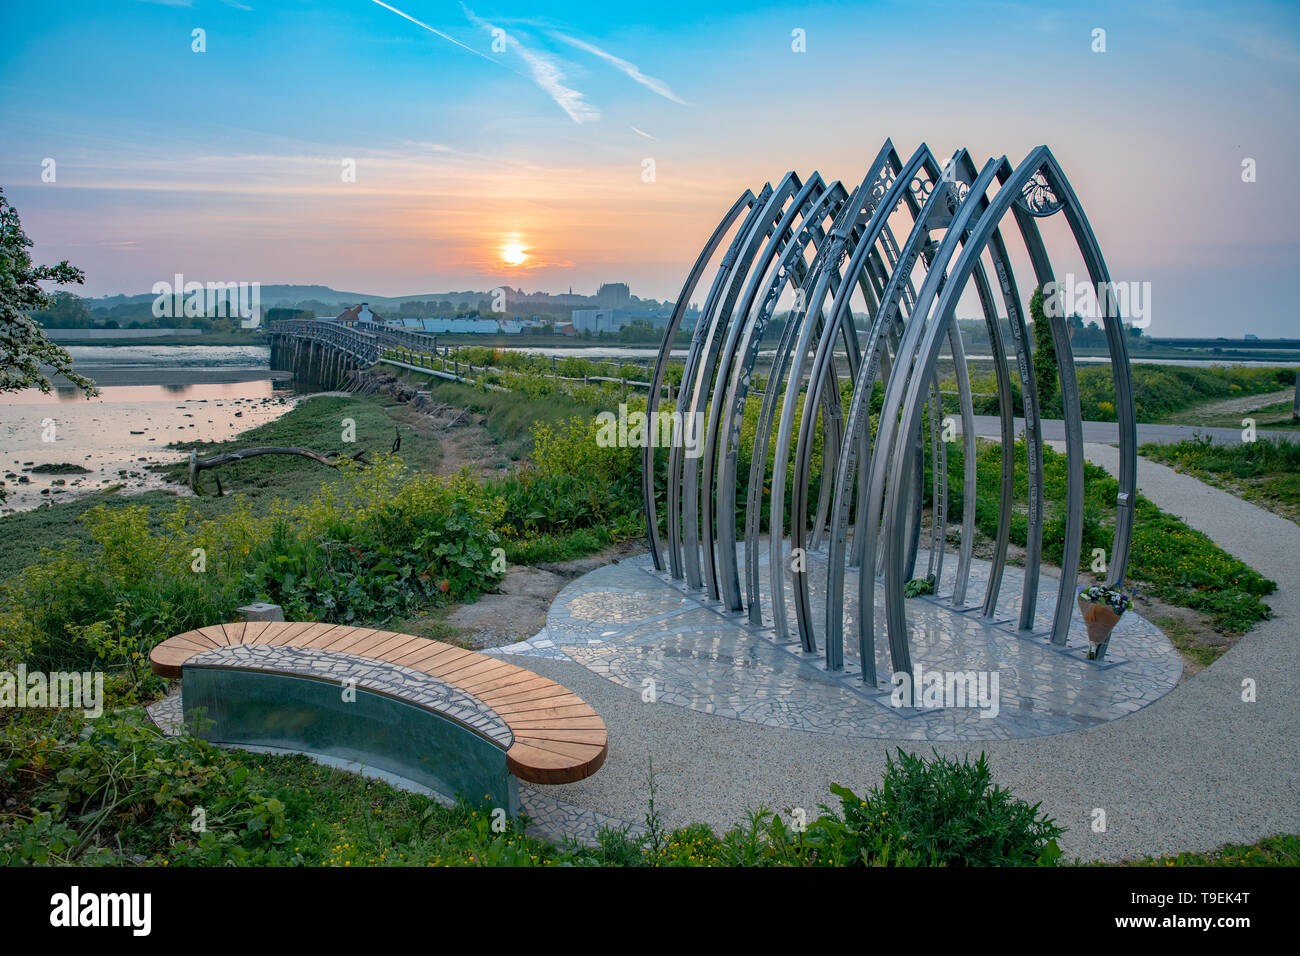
point(524, 164)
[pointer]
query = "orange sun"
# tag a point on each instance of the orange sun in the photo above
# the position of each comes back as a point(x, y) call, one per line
point(512, 253)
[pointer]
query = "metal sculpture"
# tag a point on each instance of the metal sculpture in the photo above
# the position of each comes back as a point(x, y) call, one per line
point(823, 244)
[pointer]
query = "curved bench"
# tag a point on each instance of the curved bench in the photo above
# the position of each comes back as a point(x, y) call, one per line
point(555, 736)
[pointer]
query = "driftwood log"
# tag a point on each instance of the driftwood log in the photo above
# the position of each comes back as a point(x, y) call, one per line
point(198, 464)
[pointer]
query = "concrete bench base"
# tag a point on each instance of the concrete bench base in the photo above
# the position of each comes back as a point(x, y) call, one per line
point(352, 708)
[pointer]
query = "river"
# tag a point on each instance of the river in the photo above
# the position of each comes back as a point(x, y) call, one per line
point(150, 396)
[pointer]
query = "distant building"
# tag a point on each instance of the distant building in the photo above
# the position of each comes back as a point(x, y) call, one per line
point(359, 315)
point(597, 321)
point(613, 295)
point(469, 326)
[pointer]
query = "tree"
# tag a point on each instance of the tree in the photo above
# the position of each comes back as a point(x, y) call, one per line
point(1044, 352)
point(67, 312)
point(24, 347)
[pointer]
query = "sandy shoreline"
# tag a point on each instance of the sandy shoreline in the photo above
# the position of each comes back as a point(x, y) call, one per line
point(113, 438)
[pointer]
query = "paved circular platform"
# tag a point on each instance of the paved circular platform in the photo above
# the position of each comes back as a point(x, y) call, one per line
point(646, 631)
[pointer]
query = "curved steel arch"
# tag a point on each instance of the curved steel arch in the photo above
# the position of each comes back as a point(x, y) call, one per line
point(821, 241)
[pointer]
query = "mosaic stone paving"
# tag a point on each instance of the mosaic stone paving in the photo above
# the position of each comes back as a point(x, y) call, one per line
point(548, 818)
point(643, 630)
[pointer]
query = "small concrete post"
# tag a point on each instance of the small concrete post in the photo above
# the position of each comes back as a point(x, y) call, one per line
point(260, 611)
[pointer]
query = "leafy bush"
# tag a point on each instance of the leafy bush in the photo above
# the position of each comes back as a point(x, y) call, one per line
point(948, 813)
point(372, 547)
point(572, 483)
point(116, 791)
point(938, 812)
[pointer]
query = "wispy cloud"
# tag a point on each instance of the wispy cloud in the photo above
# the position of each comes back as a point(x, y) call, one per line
point(631, 69)
point(546, 72)
point(641, 132)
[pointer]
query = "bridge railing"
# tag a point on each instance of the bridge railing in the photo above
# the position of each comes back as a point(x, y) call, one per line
point(363, 346)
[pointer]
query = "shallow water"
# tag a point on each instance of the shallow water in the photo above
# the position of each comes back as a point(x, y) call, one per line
point(116, 434)
point(87, 358)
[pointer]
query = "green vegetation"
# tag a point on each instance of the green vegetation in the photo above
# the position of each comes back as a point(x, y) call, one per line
point(1045, 368)
point(1184, 638)
point(1161, 393)
point(61, 468)
point(919, 586)
point(1263, 471)
point(256, 484)
point(374, 546)
point(1275, 416)
point(1279, 850)
point(510, 416)
point(115, 791)
point(1167, 558)
point(571, 485)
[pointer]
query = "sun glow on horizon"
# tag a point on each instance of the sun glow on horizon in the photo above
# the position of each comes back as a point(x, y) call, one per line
point(513, 254)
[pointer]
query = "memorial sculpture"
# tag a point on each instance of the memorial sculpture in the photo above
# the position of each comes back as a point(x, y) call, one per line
point(816, 242)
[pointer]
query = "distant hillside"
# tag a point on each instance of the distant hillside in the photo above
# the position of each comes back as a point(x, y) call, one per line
point(290, 295)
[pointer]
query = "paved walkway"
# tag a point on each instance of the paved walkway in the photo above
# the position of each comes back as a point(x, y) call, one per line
point(1193, 770)
point(990, 426)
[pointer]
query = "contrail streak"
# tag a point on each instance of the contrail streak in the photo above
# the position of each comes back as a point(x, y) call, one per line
point(546, 73)
point(426, 26)
point(631, 69)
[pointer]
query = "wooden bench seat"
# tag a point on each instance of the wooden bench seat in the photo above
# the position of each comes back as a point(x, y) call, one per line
point(558, 738)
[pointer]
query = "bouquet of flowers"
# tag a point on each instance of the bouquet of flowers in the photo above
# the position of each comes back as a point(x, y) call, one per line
point(1102, 608)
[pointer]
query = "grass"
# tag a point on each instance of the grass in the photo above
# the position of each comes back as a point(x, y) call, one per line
point(1282, 849)
point(510, 415)
point(1161, 393)
point(1274, 416)
point(318, 423)
point(315, 423)
point(1184, 637)
point(1167, 558)
point(1266, 472)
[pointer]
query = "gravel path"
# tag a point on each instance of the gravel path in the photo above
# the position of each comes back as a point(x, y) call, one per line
point(1192, 771)
point(990, 426)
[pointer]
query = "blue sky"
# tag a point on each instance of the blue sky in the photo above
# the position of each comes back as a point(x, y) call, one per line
point(226, 164)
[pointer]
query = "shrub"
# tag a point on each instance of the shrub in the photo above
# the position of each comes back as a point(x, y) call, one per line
point(372, 547)
point(937, 812)
point(945, 813)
